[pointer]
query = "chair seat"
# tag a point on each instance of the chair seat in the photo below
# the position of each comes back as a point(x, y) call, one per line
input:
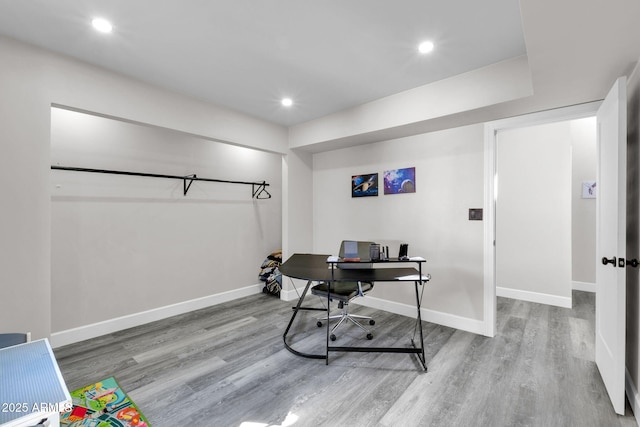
point(341, 291)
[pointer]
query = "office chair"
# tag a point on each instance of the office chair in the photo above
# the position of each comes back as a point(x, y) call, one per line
point(7, 340)
point(345, 292)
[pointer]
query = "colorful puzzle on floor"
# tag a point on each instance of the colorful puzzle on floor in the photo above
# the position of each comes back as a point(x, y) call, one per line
point(103, 404)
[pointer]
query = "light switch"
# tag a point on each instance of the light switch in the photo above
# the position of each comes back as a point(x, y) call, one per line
point(475, 214)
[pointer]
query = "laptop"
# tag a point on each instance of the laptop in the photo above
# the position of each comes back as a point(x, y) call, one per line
point(353, 257)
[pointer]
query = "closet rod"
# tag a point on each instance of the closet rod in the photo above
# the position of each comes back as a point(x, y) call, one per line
point(258, 189)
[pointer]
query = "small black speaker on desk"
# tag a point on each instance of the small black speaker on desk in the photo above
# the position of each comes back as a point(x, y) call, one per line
point(404, 251)
point(374, 252)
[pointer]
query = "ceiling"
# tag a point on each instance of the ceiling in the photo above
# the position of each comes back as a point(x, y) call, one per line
point(246, 55)
point(335, 55)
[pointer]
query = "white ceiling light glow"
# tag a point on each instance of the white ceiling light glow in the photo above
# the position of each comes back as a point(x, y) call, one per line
point(287, 102)
point(102, 25)
point(426, 47)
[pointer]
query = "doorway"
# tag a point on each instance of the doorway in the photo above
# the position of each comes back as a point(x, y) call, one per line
point(491, 192)
point(545, 211)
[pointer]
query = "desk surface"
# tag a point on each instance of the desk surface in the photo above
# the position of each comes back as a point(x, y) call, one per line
point(315, 267)
point(30, 378)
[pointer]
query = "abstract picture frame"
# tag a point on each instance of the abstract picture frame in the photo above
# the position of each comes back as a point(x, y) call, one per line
point(400, 181)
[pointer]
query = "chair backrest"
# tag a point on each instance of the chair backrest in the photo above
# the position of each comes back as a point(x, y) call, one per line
point(363, 254)
point(8, 340)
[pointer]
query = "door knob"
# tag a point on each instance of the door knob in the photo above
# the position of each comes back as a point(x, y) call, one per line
point(633, 262)
point(606, 261)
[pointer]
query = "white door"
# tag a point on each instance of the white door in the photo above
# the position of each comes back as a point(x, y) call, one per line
point(610, 242)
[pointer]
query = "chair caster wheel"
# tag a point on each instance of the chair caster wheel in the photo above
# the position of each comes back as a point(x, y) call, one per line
point(264, 290)
point(372, 322)
point(333, 337)
point(319, 324)
point(369, 336)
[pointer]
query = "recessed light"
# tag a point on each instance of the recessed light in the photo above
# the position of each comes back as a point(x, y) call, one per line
point(287, 102)
point(102, 25)
point(426, 47)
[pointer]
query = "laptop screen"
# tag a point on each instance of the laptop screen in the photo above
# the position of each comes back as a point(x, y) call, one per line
point(352, 253)
point(350, 249)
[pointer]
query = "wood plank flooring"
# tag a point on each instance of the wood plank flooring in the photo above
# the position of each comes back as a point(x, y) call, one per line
point(227, 366)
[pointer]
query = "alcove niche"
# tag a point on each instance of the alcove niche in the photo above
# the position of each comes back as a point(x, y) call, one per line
point(129, 249)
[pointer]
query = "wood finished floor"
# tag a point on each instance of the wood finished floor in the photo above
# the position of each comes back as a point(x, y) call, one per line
point(226, 366)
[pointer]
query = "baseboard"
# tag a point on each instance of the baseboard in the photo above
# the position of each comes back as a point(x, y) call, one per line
point(632, 395)
point(409, 310)
point(290, 295)
point(445, 319)
point(536, 297)
point(583, 286)
point(296, 288)
point(70, 336)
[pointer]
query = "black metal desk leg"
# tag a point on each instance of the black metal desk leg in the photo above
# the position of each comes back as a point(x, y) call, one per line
point(420, 355)
point(328, 322)
point(329, 311)
point(295, 310)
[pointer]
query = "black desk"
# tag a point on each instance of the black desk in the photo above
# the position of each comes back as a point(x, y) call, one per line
point(316, 268)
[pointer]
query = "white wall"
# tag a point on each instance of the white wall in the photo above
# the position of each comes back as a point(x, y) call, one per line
point(528, 148)
point(31, 81)
point(413, 111)
point(533, 214)
point(297, 212)
point(583, 211)
point(134, 244)
point(433, 220)
point(25, 301)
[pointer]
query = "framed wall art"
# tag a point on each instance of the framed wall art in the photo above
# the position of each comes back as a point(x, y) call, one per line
point(589, 190)
point(364, 185)
point(398, 181)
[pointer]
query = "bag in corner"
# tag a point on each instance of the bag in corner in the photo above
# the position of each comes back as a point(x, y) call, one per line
point(270, 274)
point(273, 284)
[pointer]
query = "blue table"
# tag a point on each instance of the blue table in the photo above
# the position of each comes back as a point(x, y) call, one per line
point(31, 385)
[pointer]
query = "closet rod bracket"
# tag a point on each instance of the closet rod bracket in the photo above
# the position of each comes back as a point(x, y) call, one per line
point(186, 186)
point(259, 190)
